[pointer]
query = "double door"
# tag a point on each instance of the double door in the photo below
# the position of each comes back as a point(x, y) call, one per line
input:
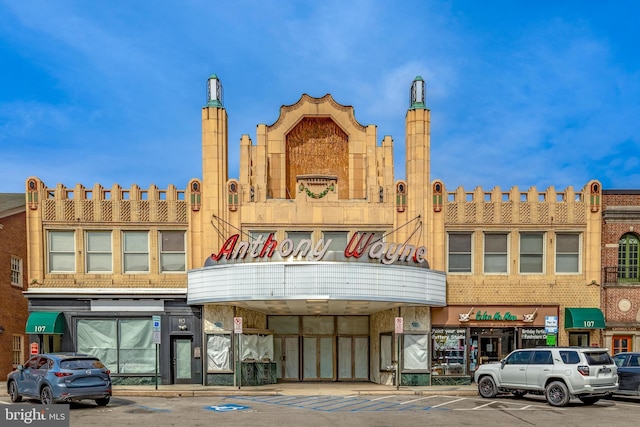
point(322, 357)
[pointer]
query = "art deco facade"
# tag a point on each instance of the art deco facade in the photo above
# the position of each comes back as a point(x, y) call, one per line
point(315, 263)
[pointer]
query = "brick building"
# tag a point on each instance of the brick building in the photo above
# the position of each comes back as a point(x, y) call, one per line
point(13, 281)
point(620, 269)
point(314, 264)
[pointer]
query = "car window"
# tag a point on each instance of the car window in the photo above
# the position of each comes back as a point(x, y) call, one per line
point(542, 357)
point(519, 358)
point(598, 358)
point(31, 363)
point(43, 363)
point(634, 360)
point(569, 357)
point(619, 360)
point(81, 364)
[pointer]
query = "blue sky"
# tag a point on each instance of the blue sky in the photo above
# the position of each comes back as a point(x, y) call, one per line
point(542, 94)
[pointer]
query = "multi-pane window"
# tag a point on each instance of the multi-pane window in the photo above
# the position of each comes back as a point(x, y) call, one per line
point(459, 252)
point(17, 356)
point(99, 255)
point(172, 251)
point(16, 271)
point(567, 253)
point(495, 252)
point(135, 245)
point(298, 236)
point(531, 252)
point(621, 343)
point(62, 258)
point(628, 256)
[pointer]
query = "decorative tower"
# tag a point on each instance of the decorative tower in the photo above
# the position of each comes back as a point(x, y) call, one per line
point(215, 173)
point(418, 146)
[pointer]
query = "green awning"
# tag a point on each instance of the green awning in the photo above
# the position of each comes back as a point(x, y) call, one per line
point(583, 318)
point(45, 322)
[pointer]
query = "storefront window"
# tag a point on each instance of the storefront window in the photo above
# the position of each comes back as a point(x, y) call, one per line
point(533, 337)
point(386, 352)
point(125, 346)
point(415, 354)
point(219, 353)
point(449, 352)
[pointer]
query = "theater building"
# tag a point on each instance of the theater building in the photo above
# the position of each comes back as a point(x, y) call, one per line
point(314, 264)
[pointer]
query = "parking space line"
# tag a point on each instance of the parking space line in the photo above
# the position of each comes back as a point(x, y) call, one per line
point(486, 404)
point(380, 398)
point(525, 407)
point(415, 400)
point(446, 403)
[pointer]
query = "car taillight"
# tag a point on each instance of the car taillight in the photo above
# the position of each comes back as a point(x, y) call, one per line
point(584, 370)
point(63, 374)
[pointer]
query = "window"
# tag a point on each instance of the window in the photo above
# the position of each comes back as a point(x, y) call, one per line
point(18, 352)
point(449, 351)
point(123, 345)
point(135, 246)
point(567, 253)
point(338, 240)
point(415, 352)
point(519, 358)
point(495, 253)
point(531, 252)
point(542, 357)
point(386, 352)
point(99, 251)
point(459, 252)
point(628, 255)
point(172, 253)
point(621, 343)
point(219, 353)
point(16, 271)
point(62, 258)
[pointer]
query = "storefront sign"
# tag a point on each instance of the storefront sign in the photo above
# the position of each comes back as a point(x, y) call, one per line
point(533, 334)
point(358, 246)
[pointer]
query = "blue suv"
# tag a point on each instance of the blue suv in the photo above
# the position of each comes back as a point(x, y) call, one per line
point(60, 377)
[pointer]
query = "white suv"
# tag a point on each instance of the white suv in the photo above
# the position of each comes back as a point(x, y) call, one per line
point(559, 373)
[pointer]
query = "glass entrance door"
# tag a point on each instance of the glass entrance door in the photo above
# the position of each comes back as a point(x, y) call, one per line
point(317, 358)
point(287, 355)
point(353, 358)
point(181, 360)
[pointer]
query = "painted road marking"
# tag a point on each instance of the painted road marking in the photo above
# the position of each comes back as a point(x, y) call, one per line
point(416, 400)
point(446, 403)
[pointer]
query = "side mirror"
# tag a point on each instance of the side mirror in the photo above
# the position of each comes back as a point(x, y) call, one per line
point(502, 363)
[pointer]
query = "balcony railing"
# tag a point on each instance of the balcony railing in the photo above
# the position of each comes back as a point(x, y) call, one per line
point(619, 275)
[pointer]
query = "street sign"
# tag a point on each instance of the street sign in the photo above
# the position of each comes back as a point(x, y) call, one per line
point(551, 324)
point(399, 325)
point(237, 325)
point(156, 329)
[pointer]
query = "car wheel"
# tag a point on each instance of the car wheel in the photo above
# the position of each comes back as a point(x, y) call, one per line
point(104, 401)
point(13, 392)
point(519, 394)
point(589, 400)
point(487, 387)
point(557, 394)
point(45, 395)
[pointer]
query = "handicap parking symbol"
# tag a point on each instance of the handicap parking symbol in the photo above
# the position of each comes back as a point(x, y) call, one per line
point(226, 408)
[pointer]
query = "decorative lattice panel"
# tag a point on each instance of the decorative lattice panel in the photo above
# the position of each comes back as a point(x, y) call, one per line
point(107, 210)
point(452, 213)
point(49, 210)
point(163, 211)
point(561, 213)
point(143, 211)
point(525, 213)
point(125, 210)
point(581, 213)
point(181, 211)
point(543, 213)
point(507, 213)
point(69, 210)
point(488, 215)
point(87, 210)
point(470, 212)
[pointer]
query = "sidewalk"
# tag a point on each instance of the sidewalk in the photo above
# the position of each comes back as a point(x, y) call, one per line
point(291, 389)
point(334, 389)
